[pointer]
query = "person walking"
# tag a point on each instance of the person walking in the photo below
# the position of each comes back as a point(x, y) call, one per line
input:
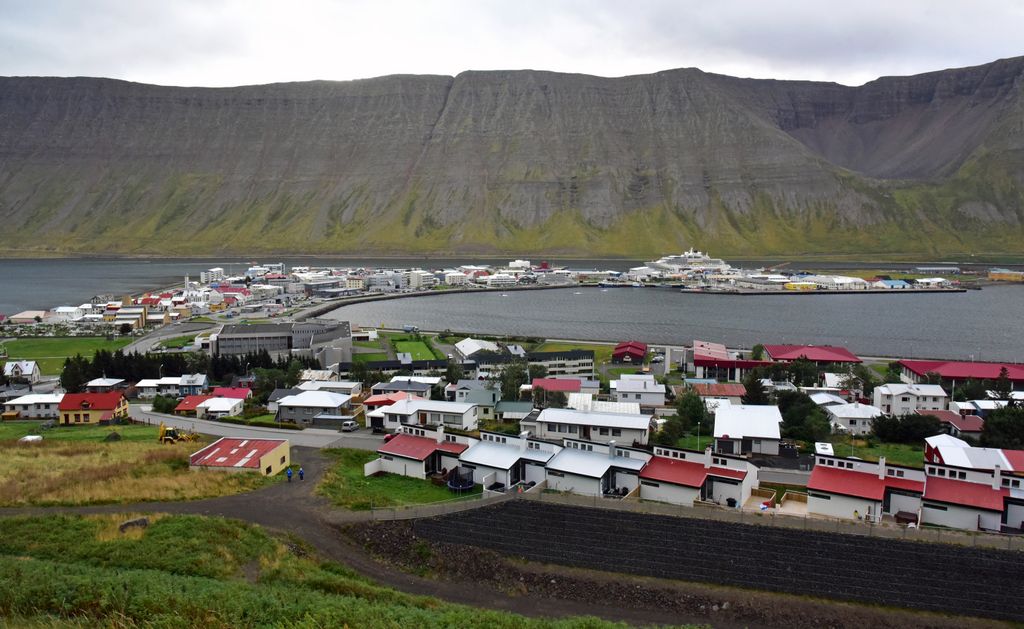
point(289, 473)
point(302, 473)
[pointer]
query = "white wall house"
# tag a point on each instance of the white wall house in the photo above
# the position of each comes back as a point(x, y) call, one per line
point(854, 419)
point(595, 469)
point(419, 452)
point(904, 399)
point(642, 389)
point(559, 423)
point(22, 370)
point(35, 405)
point(217, 407)
point(682, 477)
point(430, 413)
point(506, 460)
point(848, 488)
point(469, 346)
point(747, 429)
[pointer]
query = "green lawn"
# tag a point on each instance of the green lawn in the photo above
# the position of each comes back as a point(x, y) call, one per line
point(897, 453)
point(369, 357)
point(602, 353)
point(418, 349)
point(690, 442)
point(368, 344)
point(128, 432)
point(346, 486)
point(179, 342)
point(50, 352)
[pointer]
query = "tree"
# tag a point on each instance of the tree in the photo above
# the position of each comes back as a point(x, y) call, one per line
point(860, 378)
point(454, 372)
point(75, 374)
point(801, 418)
point(971, 389)
point(543, 398)
point(912, 428)
point(756, 393)
point(537, 371)
point(295, 369)
point(690, 409)
point(803, 373)
point(1004, 428)
point(757, 352)
point(164, 404)
point(894, 372)
point(932, 377)
point(671, 432)
point(1002, 386)
point(513, 376)
point(125, 329)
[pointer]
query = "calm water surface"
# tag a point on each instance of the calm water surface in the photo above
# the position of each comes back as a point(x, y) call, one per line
point(985, 324)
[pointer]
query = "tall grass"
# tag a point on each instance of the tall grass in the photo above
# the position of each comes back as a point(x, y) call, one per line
point(188, 571)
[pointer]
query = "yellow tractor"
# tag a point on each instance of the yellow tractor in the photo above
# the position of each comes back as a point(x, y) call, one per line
point(173, 435)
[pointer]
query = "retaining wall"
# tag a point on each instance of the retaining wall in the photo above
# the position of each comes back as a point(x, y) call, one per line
point(936, 577)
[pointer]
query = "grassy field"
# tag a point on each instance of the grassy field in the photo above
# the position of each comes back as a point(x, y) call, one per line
point(896, 453)
point(369, 357)
point(418, 349)
point(51, 352)
point(346, 486)
point(74, 466)
point(190, 571)
point(368, 344)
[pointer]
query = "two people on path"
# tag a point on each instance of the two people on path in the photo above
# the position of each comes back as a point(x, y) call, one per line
point(302, 474)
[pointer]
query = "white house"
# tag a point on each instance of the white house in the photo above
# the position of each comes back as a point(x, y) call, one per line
point(823, 398)
point(469, 346)
point(430, 413)
point(419, 452)
point(643, 389)
point(747, 429)
point(343, 387)
point(585, 402)
point(682, 477)
point(905, 399)
point(217, 407)
point(559, 423)
point(35, 405)
point(305, 407)
point(855, 419)
point(23, 370)
point(595, 469)
point(848, 488)
point(500, 461)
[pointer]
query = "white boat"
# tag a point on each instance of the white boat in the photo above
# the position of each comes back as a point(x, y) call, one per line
point(690, 260)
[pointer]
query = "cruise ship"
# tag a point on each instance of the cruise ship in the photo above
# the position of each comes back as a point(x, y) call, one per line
point(690, 261)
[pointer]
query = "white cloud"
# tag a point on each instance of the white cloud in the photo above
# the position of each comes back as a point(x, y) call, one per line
point(232, 42)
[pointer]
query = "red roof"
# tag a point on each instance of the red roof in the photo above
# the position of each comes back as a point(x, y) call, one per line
point(858, 484)
point(191, 402)
point(815, 353)
point(229, 452)
point(95, 401)
point(728, 389)
point(963, 423)
point(633, 348)
point(960, 492)
point(729, 363)
point(237, 393)
point(955, 370)
point(685, 473)
point(1015, 458)
point(566, 385)
point(387, 399)
point(418, 448)
point(238, 290)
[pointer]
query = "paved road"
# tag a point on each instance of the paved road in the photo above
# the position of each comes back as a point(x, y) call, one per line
point(146, 343)
point(309, 438)
point(784, 477)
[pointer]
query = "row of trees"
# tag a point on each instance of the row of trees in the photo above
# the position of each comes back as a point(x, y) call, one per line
point(135, 366)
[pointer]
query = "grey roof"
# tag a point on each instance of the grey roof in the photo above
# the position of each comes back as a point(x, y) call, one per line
point(506, 406)
point(483, 398)
point(591, 464)
point(473, 385)
point(282, 393)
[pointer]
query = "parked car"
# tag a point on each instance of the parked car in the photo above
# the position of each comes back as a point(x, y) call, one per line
point(349, 426)
point(388, 437)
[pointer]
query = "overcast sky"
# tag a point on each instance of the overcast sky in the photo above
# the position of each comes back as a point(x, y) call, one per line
point(236, 42)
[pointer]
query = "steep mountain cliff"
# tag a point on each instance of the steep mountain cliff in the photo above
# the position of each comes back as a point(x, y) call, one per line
point(517, 162)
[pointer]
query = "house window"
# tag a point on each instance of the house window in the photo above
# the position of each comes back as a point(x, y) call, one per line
point(935, 507)
point(649, 483)
point(821, 461)
point(604, 431)
point(387, 458)
point(638, 396)
point(942, 472)
point(899, 473)
point(282, 460)
point(554, 473)
point(269, 468)
point(820, 496)
point(616, 432)
point(891, 472)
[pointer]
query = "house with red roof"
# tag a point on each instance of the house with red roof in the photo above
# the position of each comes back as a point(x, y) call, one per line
point(960, 426)
point(712, 394)
point(818, 354)
point(189, 405)
point(678, 476)
point(713, 360)
point(629, 352)
point(381, 400)
point(563, 385)
point(849, 488)
point(92, 408)
point(419, 451)
point(965, 504)
point(238, 393)
point(262, 456)
point(952, 371)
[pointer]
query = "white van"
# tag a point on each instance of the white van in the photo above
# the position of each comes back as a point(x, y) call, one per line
point(349, 426)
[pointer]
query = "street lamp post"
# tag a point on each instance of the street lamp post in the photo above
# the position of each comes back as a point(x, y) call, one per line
point(698, 435)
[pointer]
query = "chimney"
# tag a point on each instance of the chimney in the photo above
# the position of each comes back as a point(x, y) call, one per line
point(996, 479)
point(440, 433)
point(611, 449)
point(881, 467)
point(707, 457)
point(522, 440)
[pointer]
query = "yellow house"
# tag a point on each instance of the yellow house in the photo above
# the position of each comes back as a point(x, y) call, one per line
point(1005, 275)
point(92, 408)
point(263, 456)
point(800, 286)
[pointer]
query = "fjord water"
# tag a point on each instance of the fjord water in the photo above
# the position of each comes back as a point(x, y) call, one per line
point(979, 325)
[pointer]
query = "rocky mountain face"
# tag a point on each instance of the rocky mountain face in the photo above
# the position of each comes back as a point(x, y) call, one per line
point(517, 162)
